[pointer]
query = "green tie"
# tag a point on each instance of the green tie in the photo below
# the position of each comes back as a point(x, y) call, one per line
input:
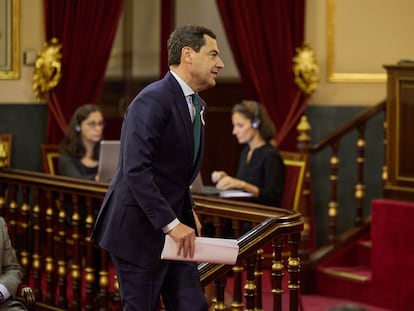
point(196, 124)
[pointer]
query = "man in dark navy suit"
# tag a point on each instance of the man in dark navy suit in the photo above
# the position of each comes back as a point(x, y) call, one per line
point(149, 194)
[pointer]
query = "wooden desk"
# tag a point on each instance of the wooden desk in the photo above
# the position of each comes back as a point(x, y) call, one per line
point(399, 133)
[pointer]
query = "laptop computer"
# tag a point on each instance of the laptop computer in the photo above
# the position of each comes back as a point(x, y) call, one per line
point(198, 187)
point(108, 159)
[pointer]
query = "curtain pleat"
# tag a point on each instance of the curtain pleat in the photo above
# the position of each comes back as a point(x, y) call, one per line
point(263, 36)
point(86, 29)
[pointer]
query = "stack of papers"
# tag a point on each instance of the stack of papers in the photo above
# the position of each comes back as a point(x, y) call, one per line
point(234, 194)
point(213, 250)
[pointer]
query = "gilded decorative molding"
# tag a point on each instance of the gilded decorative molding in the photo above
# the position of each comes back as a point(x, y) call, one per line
point(338, 76)
point(306, 69)
point(10, 40)
point(47, 68)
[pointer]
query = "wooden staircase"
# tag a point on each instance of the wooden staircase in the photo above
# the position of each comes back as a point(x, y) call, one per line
point(347, 274)
point(341, 268)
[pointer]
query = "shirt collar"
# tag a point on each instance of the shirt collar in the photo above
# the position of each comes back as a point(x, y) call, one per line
point(184, 86)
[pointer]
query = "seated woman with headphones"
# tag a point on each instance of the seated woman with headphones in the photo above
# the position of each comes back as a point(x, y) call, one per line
point(261, 170)
point(79, 150)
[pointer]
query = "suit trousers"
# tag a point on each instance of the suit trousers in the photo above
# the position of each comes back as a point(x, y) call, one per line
point(178, 283)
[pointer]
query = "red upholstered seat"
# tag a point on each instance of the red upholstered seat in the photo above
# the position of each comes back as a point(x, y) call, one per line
point(295, 166)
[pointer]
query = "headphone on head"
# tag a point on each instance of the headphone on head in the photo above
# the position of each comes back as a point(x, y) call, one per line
point(77, 128)
point(256, 119)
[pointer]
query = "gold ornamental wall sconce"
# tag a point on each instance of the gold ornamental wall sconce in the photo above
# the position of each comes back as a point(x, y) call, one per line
point(48, 65)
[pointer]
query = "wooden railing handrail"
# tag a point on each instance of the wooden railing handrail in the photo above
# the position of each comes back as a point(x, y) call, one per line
point(348, 126)
point(51, 218)
point(69, 183)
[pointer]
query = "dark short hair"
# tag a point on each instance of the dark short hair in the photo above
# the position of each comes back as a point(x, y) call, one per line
point(188, 35)
point(253, 111)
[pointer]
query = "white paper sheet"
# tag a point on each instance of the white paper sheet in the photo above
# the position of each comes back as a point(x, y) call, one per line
point(213, 250)
point(235, 194)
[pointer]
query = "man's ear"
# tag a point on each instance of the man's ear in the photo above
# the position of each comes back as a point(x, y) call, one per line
point(186, 54)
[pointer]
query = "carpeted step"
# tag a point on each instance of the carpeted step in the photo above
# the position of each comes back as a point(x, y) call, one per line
point(345, 282)
point(364, 252)
point(357, 253)
point(347, 274)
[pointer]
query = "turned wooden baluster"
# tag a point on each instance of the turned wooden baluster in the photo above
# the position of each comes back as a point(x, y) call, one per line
point(220, 284)
point(117, 297)
point(90, 267)
point(237, 303)
point(384, 168)
point(333, 204)
point(24, 231)
point(61, 251)
point(258, 276)
point(218, 223)
point(104, 283)
point(49, 260)
point(294, 269)
point(36, 256)
point(250, 286)
point(303, 146)
point(278, 268)
point(360, 187)
point(3, 201)
point(76, 259)
point(237, 227)
point(12, 213)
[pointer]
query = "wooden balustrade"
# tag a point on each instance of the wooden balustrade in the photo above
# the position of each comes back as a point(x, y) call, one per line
point(51, 218)
point(333, 142)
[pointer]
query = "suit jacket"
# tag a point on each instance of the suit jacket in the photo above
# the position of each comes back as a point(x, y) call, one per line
point(11, 273)
point(151, 184)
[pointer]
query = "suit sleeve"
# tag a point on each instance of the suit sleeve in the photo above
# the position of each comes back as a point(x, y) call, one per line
point(145, 124)
point(11, 272)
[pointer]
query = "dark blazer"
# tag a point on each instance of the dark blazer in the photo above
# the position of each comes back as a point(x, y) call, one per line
point(11, 273)
point(151, 184)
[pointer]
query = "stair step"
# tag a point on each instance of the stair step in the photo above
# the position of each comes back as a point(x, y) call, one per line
point(346, 282)
point(366, 243)
point(354, 273)
point(363, 252)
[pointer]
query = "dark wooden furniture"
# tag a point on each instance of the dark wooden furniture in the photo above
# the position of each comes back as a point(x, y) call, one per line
point(399, 183)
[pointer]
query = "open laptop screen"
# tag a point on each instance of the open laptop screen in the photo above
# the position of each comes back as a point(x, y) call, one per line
point(108, 159)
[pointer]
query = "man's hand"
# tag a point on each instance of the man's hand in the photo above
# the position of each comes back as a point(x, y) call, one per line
point(184, 236)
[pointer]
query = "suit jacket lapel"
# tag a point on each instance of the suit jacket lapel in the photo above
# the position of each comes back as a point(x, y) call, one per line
point(181, 104)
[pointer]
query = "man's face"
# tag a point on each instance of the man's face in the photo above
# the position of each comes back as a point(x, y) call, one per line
point(205, 65)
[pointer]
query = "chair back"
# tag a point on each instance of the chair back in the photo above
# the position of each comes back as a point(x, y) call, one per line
point(5, 150)
point(295, 170)
point(50, 159)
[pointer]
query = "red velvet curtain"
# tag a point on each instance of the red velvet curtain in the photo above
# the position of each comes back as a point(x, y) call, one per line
point(263, 36)
point(86, 30)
